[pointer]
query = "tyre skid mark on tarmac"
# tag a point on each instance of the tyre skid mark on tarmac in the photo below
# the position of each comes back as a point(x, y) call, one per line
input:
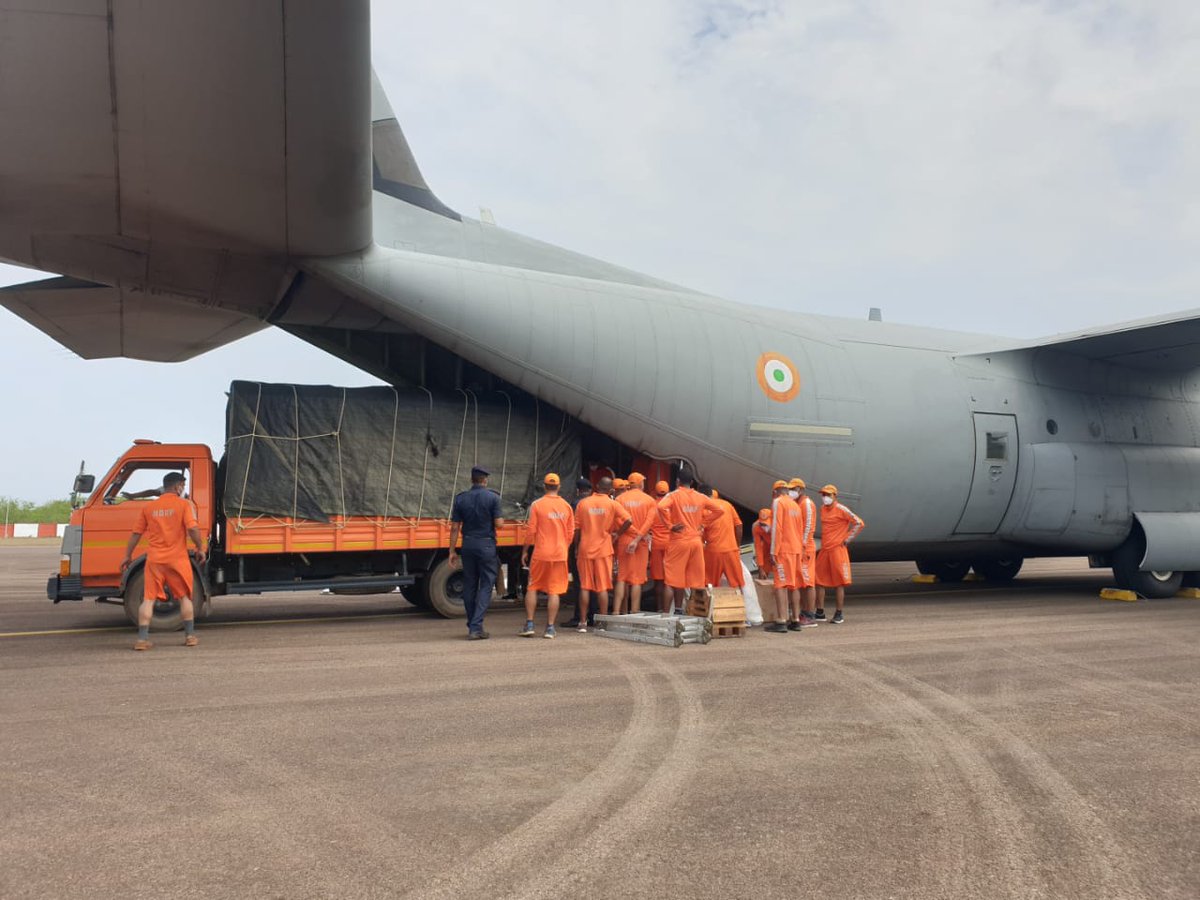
point(1098, 848)
point(502, 869)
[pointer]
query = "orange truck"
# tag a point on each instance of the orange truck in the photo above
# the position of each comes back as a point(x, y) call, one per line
point(365, 544)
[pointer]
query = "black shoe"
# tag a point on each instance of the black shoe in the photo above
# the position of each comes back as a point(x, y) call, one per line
point(820, 616)
point(838, 618)
point(776, 628)
point(478, 636)
point(793, 626)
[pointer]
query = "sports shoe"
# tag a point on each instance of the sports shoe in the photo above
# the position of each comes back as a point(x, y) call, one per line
point(582, 629)
point(838, 618)
point(478, 636)
point(527, 631)
point(776, 628)
point(806, 621)
point(191, 641)
point(820, 616)
point(549, 632)
point(793, 626)
point(142, 645)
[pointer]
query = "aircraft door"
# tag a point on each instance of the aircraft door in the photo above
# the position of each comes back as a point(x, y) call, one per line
point(995, 474)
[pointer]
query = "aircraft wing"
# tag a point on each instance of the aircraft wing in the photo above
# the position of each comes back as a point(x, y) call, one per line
point(1161, 344)
point(97, 321)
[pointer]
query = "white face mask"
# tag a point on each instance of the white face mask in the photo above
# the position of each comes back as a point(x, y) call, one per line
point(827, 500)
point(795, 495)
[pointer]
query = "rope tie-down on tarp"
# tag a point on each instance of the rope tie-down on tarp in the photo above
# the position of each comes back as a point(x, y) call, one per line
point(309, 453)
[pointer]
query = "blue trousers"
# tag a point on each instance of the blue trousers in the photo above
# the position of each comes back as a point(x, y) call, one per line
point(479, 567)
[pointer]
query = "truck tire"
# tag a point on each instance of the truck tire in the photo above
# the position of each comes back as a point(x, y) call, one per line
point(1125, 561)
point(167, 616)
point(443, 590)
point(945, 570)
point(999, 569)
point(415, 594)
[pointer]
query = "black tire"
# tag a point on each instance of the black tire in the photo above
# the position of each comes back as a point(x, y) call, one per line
point(443, 590)
point(167, 616)
point(999, 569)
point(1125, 562)
point(415, 594)
point(946, 570)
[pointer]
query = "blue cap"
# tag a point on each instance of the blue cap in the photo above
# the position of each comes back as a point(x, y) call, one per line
point(479, 471)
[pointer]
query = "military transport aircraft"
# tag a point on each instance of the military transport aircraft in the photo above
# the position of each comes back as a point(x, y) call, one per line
point(198, 171)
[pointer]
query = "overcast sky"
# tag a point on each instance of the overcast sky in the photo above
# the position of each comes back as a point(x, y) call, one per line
point(1020, 168)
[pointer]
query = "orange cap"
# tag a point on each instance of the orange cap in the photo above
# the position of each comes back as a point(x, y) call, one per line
point(764, 515)
point(637, 478)
point(797, 483)
point(662, 487)
point(551, 478)
point(829, 489)
point(779, 484)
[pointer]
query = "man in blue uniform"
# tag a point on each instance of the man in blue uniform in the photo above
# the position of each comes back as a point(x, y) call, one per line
point(476, 513)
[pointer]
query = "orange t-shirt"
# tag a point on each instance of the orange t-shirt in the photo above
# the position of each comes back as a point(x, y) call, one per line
point(719, 531)
point(762, 543)
point(597, 518)
point(838, 525)
point(808, 521)
point(785, 527)
point(165, 523)
point(686, 507)
point(642, 509)
point(551, 527)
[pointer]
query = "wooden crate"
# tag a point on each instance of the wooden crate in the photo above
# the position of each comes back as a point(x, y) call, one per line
point(728, 607)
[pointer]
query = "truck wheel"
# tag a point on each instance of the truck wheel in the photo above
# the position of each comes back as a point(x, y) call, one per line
point(443, 591)
point(167, 616)
point(1125, 562)
point(999, 569)
point(415, 594)
point(945, 570)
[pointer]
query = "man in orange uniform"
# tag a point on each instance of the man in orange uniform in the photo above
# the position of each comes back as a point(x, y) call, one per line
point(722, 543)
point(633, 547)
point(167, 523)
point(839, 526)
point(551, 528)
point(808, 556)
point(786, 550)
point(761, 530)
point(598, 518)
point(683, 510)
point(660, 536)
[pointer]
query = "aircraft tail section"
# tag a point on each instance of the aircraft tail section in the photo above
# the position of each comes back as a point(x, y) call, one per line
point(394, 168)
point(1166, 344)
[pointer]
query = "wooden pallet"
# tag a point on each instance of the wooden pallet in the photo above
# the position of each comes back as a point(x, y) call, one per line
point(720, 631)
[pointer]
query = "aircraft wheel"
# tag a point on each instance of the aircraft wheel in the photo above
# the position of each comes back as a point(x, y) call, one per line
point(167, 616)
point(945, 570)
point(1154, 585)
point(443, 591)
point(999, 569)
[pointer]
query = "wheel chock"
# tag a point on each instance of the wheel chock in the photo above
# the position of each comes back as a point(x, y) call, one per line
point(925, 579)
point(1189, 593)
point(1118, 594)
point(973, 576)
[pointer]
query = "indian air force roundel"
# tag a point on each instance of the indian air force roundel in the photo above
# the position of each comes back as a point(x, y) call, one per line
point(777, 376)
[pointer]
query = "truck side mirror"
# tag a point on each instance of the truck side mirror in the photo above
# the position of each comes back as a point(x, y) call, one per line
point(84, 484)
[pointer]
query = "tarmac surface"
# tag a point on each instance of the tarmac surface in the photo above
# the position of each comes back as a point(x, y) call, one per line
point(1026, 740)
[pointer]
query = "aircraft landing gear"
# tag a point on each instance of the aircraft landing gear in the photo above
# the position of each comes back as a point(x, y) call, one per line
point(945, 570)
point(998, 569)
point(1125, 561)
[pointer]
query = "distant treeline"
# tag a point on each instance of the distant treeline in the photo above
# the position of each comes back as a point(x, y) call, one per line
point(27, 511)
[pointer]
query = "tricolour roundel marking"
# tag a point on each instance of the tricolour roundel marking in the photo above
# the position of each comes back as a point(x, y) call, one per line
point(777, 376)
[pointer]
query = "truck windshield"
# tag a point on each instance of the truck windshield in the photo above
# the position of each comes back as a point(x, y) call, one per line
point(143, 481)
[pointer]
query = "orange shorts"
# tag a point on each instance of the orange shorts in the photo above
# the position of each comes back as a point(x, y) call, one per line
point(173, 576)
point(787, 571)
point(833, 567)
point(548, 575)
point(631, 567)
point(595, 574)
point(658, 568)
point(808, 567)
point(684, 564)
point(727, 564)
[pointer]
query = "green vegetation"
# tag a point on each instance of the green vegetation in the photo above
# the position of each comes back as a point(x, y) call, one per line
point(28, 511)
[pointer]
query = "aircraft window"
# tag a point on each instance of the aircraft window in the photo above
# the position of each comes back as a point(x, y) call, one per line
point(997, 445)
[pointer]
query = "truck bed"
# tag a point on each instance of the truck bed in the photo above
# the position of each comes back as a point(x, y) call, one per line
point(274, 534)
